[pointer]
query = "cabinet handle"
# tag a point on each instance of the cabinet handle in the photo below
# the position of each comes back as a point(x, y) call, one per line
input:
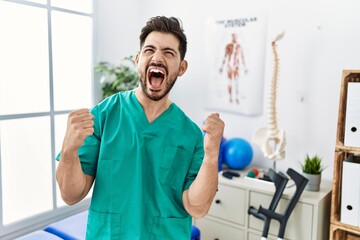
point(217, 201)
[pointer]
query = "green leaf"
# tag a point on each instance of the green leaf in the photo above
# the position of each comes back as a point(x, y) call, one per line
point(312, 165)
point(124, 75)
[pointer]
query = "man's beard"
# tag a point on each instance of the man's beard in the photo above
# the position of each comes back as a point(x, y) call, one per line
point(168, 87)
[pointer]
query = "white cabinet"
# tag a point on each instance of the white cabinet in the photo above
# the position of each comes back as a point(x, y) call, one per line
point(228, 218)
point(228, 208)
point(343, 150)
point(216, 230)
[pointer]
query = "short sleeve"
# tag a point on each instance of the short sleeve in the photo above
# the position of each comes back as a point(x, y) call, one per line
point(89, 151)
point(196, 161)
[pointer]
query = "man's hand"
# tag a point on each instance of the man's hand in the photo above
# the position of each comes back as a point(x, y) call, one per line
point(80, 125)
point(73, 183)
point(214, 129)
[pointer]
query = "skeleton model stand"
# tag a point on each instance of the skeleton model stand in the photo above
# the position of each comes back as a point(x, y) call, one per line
point(270, 139)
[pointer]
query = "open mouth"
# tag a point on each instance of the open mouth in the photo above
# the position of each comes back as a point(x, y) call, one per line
point(156, 77)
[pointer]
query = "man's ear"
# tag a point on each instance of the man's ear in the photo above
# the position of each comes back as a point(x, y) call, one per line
point(136, 58)
point(183, 67)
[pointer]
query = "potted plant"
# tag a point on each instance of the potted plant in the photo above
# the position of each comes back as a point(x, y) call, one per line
point(312, 169)
point(117, 78)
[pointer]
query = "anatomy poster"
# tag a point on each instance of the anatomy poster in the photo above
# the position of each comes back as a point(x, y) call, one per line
point(236, 49)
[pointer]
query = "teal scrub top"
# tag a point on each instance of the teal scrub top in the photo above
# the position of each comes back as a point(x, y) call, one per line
point(141, 170)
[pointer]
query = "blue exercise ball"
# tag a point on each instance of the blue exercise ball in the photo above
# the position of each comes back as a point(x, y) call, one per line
point(237, 154)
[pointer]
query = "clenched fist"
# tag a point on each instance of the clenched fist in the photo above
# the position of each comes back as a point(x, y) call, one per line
point(214, 129)
point(80, 125)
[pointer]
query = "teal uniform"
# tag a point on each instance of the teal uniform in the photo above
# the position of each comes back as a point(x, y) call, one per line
point(141, 170)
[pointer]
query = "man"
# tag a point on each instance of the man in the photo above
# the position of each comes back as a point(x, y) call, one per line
point(233, 51)
point(151, 165)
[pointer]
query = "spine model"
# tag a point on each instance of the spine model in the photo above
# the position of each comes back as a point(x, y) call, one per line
point(271, 139)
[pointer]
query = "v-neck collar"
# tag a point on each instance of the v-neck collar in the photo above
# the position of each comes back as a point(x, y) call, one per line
point(141, 111)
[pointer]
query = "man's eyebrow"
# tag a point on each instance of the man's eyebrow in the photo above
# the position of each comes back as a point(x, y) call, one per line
point(169, 49)
point(163, 49)
point(149, 46)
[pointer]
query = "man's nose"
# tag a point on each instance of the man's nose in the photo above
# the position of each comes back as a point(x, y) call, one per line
point(157, 57)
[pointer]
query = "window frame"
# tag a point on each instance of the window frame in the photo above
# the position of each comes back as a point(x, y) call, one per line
point(39, 221)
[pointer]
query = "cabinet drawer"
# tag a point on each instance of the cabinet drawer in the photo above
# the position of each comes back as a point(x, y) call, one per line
point(299, 226)
point(213, 230)
point(229, 204)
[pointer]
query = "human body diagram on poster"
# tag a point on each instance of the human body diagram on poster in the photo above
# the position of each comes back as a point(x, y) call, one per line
point(236, 50)
point(233, 60)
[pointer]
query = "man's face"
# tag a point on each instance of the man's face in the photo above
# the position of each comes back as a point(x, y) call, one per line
point(159, 64)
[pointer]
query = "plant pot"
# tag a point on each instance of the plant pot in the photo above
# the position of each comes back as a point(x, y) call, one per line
point(314, 182)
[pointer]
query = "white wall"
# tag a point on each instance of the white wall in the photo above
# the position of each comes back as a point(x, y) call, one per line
point(321, 40)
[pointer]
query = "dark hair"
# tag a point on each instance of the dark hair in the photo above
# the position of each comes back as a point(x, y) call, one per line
point(167, 25)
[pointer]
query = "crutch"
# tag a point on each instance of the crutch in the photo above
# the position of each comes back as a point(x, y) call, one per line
point(280, 181)
point(300, 182)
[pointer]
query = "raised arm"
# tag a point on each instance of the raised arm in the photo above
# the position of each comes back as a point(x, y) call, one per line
point(73, 183)
point(198, 198)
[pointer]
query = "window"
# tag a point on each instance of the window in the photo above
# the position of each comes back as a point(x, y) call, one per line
point(46, 71)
